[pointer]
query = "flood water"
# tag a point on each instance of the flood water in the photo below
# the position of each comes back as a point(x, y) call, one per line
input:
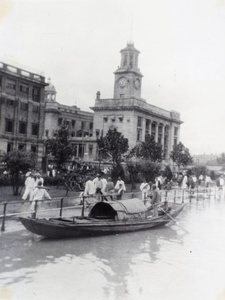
point(163, 263)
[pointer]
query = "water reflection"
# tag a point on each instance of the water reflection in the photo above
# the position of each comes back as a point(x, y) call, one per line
point(110, 267)
point(113, 255)
point(164, 263)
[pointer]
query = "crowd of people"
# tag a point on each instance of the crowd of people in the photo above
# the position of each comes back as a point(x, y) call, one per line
point(99, 188)
point(103, 189)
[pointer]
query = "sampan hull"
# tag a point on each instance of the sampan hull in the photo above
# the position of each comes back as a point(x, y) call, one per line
point(67, 228)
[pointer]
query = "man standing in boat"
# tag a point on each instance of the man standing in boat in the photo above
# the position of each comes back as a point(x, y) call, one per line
point(144, 187)
point(156, 199)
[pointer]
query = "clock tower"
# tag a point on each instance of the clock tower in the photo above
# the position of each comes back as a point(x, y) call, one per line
point(128, 76)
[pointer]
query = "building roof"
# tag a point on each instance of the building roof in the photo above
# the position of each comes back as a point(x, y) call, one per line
point(50, 87)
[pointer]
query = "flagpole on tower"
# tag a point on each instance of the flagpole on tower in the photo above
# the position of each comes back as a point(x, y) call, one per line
point(131, 28)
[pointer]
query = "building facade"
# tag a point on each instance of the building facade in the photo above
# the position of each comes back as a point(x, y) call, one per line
point(22, 108)
point(30, 114)
point(132, 115)
point(79, 123)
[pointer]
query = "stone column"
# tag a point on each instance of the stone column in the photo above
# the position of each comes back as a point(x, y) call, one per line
point(150, 128)
point(143, 127)
point(156, 131)
point(163, 134)
point(170, 138)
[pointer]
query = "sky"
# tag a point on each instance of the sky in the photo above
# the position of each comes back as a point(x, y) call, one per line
point(77, 44)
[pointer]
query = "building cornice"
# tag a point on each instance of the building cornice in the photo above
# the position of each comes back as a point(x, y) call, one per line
point(22, 74)
point(134, 104)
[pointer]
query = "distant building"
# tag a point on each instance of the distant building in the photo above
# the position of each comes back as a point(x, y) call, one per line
point(205, 159)
point(79, 123)
point(131, 114)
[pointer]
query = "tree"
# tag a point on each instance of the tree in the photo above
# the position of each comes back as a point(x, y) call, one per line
point(180, 155)
point(113, 144)
point(143, 169)
point(198, 170)
point(221, 159)
point(17, 163)
point(148, 150)
point(149, 170)
point(168, 173)
point(60, 147)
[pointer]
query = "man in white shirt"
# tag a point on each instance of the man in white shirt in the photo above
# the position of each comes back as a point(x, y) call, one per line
point(29, 187)
point(89, 190)
point(120, 181)
point(39, 193)
point(98, 184)
point(144, 187)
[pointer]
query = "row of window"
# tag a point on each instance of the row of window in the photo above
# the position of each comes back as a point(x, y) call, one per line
point(9, 127)
point(72, 123)
point(159, 138)
point(33, 148)
point(152, 130)
point(112, 118)
point(149, 122)
point(23, 89)
point(23, 105)
point(80, 149)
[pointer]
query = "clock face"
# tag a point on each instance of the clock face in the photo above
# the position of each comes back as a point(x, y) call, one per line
point(137, 83)
point(122, 82)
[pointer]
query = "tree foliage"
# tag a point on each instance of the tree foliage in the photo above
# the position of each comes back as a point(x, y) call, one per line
point(113, 144)
point(198, 170)
point(117, 171)
point(148, 150)
point(60, 147)
point(221, 159)
point(17, 163)
point(168, 173)
point(143, 169)
point(180, 155)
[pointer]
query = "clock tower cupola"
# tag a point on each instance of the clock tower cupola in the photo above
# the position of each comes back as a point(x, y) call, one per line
point(128, 76)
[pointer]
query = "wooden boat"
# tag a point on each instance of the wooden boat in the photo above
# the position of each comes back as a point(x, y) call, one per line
point(111, 217)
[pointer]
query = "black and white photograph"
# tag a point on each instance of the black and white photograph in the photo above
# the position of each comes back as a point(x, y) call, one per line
point(112, 149)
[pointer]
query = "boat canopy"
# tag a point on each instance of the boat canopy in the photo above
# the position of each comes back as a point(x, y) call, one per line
point(119, 210)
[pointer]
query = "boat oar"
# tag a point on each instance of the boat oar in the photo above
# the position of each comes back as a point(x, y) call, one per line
point(173, 219)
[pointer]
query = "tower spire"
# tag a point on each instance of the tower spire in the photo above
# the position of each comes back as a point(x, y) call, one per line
point(131, 28)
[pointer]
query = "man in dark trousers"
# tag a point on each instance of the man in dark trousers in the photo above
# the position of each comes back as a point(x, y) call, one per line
point(156, 199)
